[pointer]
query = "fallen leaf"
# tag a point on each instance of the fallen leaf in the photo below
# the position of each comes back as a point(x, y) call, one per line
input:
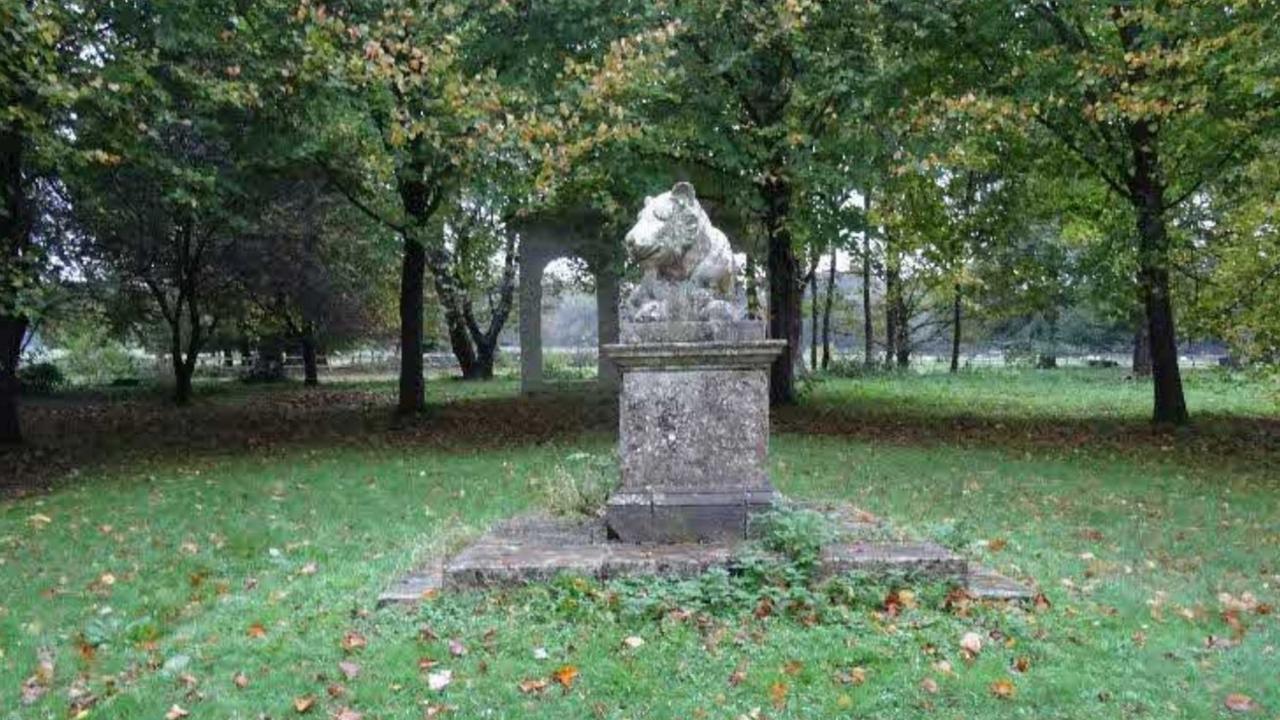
point(426, 663)
point(778, 694)
point(256, 630)
point(633, 641)
point(439, 680)
point(792, 667)
point(1041, 603)
point(456, 648)
point(353, 641)
point(971, 643)
point(736, 678)
point(1003, 688)
point(349, 669)
point(304, 704)
point(1236, 702)
point(997, 544)
point(176, 712)
point(335, 690)
point(309, 569)
point(929, 685)
point(855, 676)
point(39, 521)
point(1022, 664)
point(532, 686)
point(943, 666)
point(241, 680)
point(565, 675)
point(347, 713)
point(435, 711)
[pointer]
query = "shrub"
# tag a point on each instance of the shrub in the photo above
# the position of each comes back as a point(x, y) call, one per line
point(797, 534)
point(580, 485)
point(42, 378)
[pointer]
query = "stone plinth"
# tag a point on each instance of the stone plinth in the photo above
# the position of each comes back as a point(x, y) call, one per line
point(693, 430)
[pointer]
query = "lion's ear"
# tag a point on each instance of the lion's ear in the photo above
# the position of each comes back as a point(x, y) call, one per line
point(683, 192)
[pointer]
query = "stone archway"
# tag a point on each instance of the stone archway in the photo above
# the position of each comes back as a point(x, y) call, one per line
point(551, 236)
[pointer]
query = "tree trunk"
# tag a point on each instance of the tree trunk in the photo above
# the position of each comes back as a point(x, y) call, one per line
point(310, 372)
point(892, 307)
point(955, 330)
point(785, 289)
point(412, 397)
point(1141, 348)
point(182, 371)
point(486, 354)
point(1147, 196)
point(753, 288)
point(12, 330)
point(15, 235)
point(826, 310)
point(868, 323)
point(814, 256)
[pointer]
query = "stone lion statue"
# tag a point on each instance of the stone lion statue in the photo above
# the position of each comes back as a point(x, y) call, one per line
point(687, 264)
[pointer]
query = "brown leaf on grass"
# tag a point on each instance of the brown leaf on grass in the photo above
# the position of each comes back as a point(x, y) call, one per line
point(1237, 702)
point(959, 601)
point(335, 690)
point(778, 694)
point(1041, 603)
point(304, 704)
point(764, 608)
point(35, 687)
point(997, 544)
point(176, 712)
point(1022, 664)
point(532, 685)
point(565, 675)
point(435, 711)
point(426, 663)
point(855, 676)
point(256, 630)
point(456, 648)
point(240, 680)
point(737, 676)
point(353, 641)
point(426, 634)
point(971, 644)
point(792, 667)
point(929, 685)
point(349, 670)
point(1003, 688)
point(347, 713)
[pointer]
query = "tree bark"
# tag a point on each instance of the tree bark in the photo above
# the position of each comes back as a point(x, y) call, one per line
point(1141, 348)
point(753, 288)
point(893, 316)
point(12, 330)
point(412, 396)
point(955, 330)
point(310, 370)
point(814, 256)
point(826, 310)
point(182, 371)
point(868, 323)
point(15, 236)
point(785, 289)
point(1146, 186)
point(1147, 195)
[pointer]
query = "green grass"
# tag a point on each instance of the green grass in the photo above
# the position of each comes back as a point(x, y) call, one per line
point(1131, 548)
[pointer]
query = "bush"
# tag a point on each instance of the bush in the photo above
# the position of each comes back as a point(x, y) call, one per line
point(580, 485)
point(42, 378)
point(797, 534)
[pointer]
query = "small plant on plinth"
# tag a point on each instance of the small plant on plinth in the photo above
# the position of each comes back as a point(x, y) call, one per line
point(579, 485)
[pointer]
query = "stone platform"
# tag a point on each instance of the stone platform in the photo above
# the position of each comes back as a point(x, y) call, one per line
point(536, 548)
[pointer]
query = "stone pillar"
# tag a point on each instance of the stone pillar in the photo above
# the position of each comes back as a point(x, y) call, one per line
point(531, 268)
point(693, 430)
point(607, 299)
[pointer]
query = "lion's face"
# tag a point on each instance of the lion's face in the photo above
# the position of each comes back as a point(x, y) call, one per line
point(666, 228)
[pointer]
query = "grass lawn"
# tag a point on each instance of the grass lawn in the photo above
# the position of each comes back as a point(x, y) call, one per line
point(233, 578)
